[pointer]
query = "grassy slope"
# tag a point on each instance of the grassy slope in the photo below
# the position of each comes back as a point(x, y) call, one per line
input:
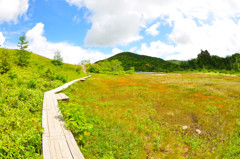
point(139, 116)
point(21, 105)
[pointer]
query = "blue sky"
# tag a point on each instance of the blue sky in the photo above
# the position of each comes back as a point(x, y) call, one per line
point(94, 30)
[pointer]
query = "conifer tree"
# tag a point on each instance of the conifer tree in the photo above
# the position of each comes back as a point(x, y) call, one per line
point(23, 56)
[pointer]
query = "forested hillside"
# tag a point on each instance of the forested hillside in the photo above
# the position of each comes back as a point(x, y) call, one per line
point(143, 63)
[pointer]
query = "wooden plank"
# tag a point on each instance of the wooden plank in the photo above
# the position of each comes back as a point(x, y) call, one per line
point(61, 96)
point(76, 153)
point(66, 153)
point(55, 103)
point(52, 149)
point(46, 149)
point(51, 125)
point(57, 141)
point(44, 101)
point(45, 123)
point(64, 96)
point(58, 153)
point(58, 96)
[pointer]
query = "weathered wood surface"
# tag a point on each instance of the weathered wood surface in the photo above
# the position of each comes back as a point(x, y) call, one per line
point(61, 96)
point(57, 141)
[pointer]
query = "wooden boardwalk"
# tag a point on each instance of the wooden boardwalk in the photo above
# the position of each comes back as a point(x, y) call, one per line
point(57, 141)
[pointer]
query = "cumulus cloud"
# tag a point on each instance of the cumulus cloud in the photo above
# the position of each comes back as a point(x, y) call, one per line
point(39, 44)
point(156, 49)
point(2, 39)
point(114, 30)
point(133, 49)
point(197, 24)
point(10, 10)
point(153, 29)
point(220, 38)
point(116, 51)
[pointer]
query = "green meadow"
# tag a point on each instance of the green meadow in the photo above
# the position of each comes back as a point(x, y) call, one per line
point(155, 116)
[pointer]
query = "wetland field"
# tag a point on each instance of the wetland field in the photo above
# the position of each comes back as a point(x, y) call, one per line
point(155, 116)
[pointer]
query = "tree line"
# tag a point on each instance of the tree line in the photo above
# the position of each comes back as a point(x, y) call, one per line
point(205, 61)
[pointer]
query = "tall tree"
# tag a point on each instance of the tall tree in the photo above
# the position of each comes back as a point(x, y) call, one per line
point(23, 56)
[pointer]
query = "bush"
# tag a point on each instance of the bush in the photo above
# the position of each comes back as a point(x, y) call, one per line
point(32, 84)
point(79, 69)
point(50, 75)
point(107, 67)
point(61, 78)
point(12, 75)
point(57, 59)
point(23, 57)
point(0, 89)
point(93, 68)
point(5, 62)
point(23, 94)
point(131, 71)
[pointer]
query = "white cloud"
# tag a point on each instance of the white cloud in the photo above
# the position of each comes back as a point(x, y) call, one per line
point(78, 3)
point(156, 49)
point(197, 24)
point(133, 49)
point(116, 51)
point(220, 38)
point(152, 30)
point(2, 39)
point(111, 30)
point(39, 44)
point(10, 10)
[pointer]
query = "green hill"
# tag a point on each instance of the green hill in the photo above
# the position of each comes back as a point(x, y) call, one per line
point(21, 98)
point(143, 63)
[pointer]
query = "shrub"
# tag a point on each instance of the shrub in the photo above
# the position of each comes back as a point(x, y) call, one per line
point(107, 67)
point(131, 71)
point(57, 59)
point(23, 57)
point(32, 84)
point(5, 62)
point(61, 78)
point(50, 75)
point(93, 68)
point(40, 67)
point(79, 69)
point(23, 94)
point(12, 75)
point(0, 88)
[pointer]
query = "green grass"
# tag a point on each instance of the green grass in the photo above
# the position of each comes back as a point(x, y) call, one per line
point(141, 116)
point(21, 98)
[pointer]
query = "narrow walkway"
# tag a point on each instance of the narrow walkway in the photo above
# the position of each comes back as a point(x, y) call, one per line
point(57, 141)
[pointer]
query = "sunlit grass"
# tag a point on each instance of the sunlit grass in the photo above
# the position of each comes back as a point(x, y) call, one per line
point(140, 116)
point(21, 99)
